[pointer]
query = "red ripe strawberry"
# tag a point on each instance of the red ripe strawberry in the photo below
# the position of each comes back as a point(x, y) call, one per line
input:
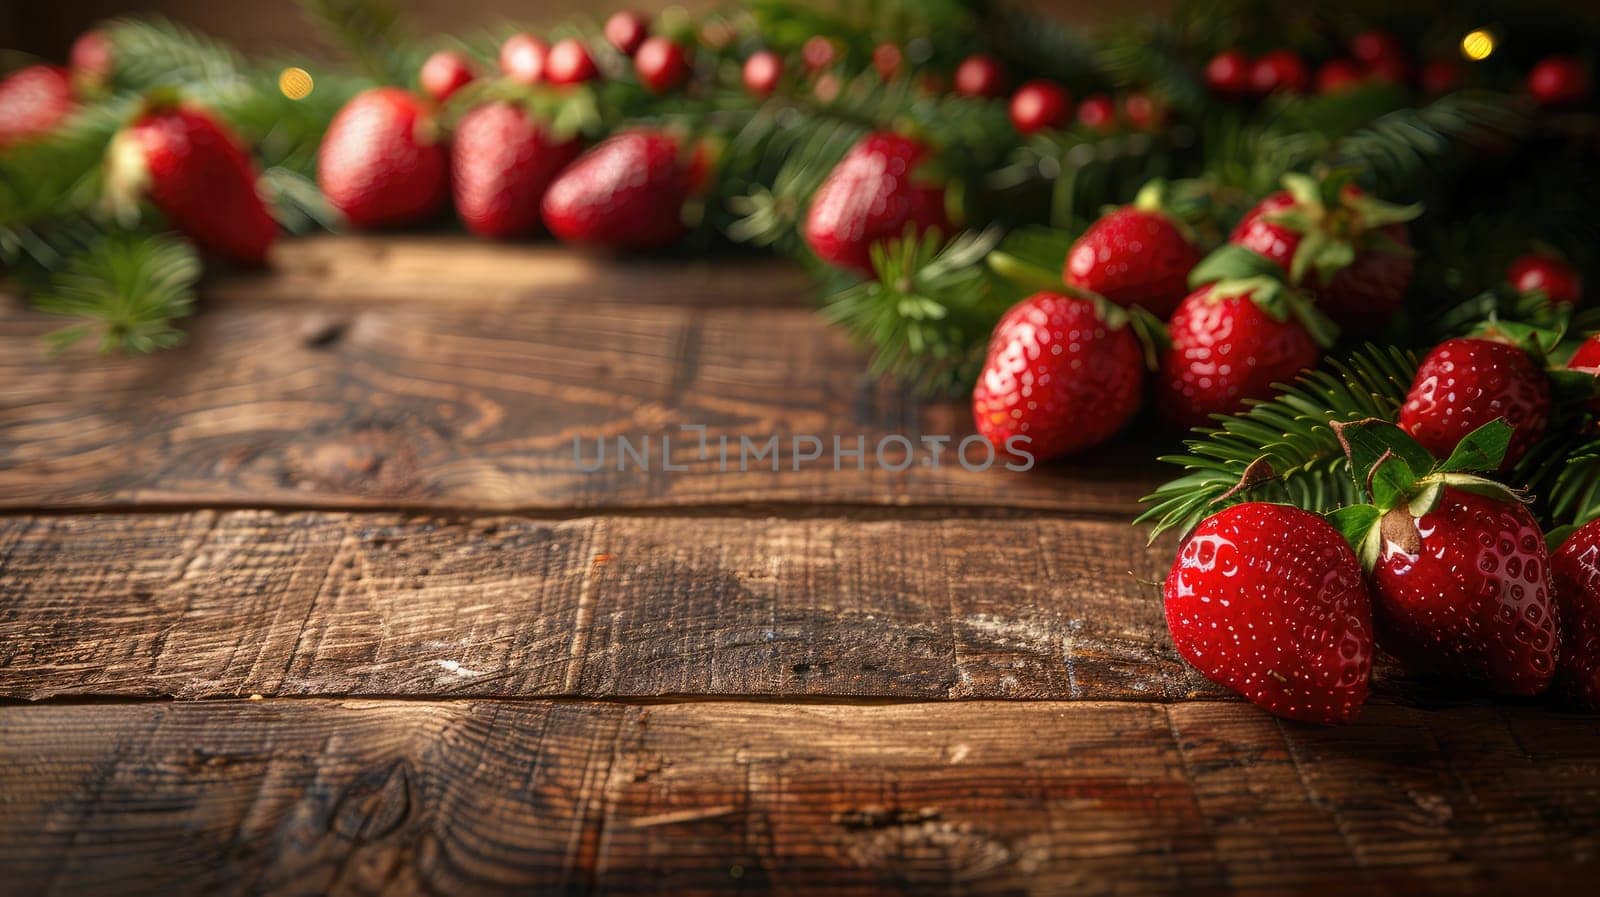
point(1441, 76)
point(1365, 291)
point(627, 192)
point(1338, 75)
point(91, 57)
point(444, 73)
point(626, 30)
point(522, 58)
point(762, 71)
point(1464, 590)
point(1142, 111)
point(1135, 255)
point(1587, 358)
point(1575, 574)
point(1465, 383)
point(194, 171)
point(870, 196)
point(569, 63)
point(980, 76)
point(380, 163)
point(1225, 349)
point(1039, 106)
point(1279, 70)
point(1057, 375)
point(1098, 113)
point(1558, 81)
point(501, 162)
point(1269, 601)
point(1557, 280)
point(1228, 74)
point(33, 101)
point(662, 64)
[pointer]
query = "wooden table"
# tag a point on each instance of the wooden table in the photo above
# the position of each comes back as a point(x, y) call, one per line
point(320, 602)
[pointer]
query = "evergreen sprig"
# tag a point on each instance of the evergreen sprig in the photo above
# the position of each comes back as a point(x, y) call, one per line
point(372, 33)
point(129, 289)
point(1283, 449)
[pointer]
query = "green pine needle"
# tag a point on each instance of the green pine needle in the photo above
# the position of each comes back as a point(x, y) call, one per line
point(372, 33)
point(128, 288)
point(1290, 434)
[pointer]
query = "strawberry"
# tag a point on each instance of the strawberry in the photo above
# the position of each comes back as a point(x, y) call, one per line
point(1098, 113)
point(1575, 574)
point(627, 192)
point(762, 72)
point(194, 170)
point(1228, 73)
point(380, 163)
point(1135, 255)
point(886, 59)
point(1460, 574)
point(818, 53)
point(1269, 601)
point(873, 194)
point(626, 30)
point(1231, 341)
point(501, 162)
point(1587, 358)
point(1057, 375)
point(444, 73)
point(980, 76)
point(569, 63)
point(33, 101)
point(1352, 253)
point(1538, 273)
point(1339, 75)
point(1279, 70)
point(91, 58)
point(1038, 106)
point(1464, 383)
point(662, 64)
point(523, 57)
point(1558, 81)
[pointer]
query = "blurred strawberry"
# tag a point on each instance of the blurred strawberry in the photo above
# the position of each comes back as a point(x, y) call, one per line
point(626, 30)
point(627, 192)
point(501, 163)
point(872, 195)
point(381, 163)
point(1552, 277)
point(33, 101)
point(523, 57)
point(444, 73)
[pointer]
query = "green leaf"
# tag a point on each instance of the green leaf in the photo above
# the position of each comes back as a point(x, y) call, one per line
point(1390, 482)
point(1359, 524)
point(1367, 442)
point(1231, 261)
point(1482, 449)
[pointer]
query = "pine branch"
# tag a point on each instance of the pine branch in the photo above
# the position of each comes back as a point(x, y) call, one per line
point(372, 33)
point(129, 289)
point(1285, 445)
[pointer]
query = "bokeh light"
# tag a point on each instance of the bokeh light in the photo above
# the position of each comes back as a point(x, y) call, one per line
point(295, 83)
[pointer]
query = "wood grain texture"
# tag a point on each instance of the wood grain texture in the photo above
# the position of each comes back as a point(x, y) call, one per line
point(452, 405)
point(208, 604)
point(470, 797)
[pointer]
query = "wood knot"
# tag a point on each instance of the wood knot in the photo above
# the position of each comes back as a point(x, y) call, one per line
point(373, 806)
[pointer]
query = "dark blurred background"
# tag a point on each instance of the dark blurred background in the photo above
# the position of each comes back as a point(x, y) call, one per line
point(47, 27)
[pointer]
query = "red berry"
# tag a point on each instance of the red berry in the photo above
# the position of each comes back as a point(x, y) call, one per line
point(91, 56)
point(1465, 383)
point(1279, 70)
point(1464, 590)
point(1339, 75)
point(627, 192)
point(1575, 574)
point(817, 53)
point(197, 173)
point(1361, 296)
point(626, 30)
point(1039, 106)
point(662, 64)
point(1559, 81)
point(887, 58)
point(1587, 358)
point(501, 162)
point(33, 101)
point(1441, 76)
point(379, 163)
point(871, 196)
point(444, 73)
point(1098, 113)
point(1557, 280)
point(1226, 349)
point(1228, 73)
point(1058, 376)
point(1133, 256)
point(1382, 55)
point(569, 63)
point(1269, 601)
point(1142, 111)
point(523, 57)
point(762, 71)
point(980, 76)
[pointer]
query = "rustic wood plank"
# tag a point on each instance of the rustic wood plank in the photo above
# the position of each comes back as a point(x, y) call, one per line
point(208, 604)
point(457, 270)
point(455, 406)
point(484, 797)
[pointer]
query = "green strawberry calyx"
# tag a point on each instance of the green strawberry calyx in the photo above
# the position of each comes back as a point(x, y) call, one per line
point(1336, 221)
point(1280, 301)
point(1403, 482)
